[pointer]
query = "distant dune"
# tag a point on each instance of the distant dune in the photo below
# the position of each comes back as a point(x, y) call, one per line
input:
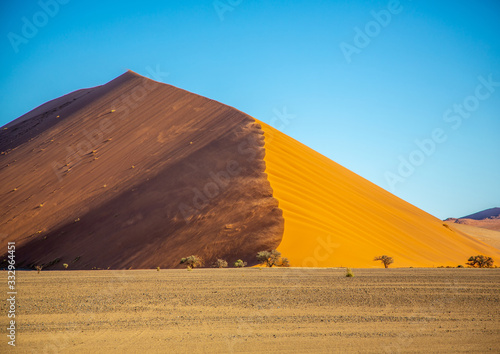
point(489, 237)
point(137, 174)
point(485, 214)
point(486, 219)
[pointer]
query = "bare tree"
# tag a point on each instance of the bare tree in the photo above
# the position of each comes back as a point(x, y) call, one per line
point(386, 260)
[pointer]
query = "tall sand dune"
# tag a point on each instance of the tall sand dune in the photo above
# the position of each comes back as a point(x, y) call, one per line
point(334, 217)
point(137, 174)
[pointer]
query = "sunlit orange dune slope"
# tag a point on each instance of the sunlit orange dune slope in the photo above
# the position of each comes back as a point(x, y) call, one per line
point(333, 217)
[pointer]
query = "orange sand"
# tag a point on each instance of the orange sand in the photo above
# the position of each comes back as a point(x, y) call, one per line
point(333, 217)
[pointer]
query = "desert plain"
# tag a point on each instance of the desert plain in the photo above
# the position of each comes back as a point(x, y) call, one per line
point(274, 310)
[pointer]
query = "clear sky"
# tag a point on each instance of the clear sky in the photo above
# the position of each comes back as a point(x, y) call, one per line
point(358, 81)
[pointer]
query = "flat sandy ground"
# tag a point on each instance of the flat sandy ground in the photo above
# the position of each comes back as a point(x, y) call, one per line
point(257, 310)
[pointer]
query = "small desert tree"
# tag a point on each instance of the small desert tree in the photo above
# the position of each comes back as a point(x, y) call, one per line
point(275, 258)
point(480, 261)
point(219, 263)
point(192, 261)
point(263, 257)
point(386, 260)
point(270, 258)
point(240, 264)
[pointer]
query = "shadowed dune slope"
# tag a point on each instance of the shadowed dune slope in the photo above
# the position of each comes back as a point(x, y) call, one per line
point(134, 173)
point(334, 217)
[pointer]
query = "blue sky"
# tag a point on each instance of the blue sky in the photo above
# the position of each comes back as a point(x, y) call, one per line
point(359, 81)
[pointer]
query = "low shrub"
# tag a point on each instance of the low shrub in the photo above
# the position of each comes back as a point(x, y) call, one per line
point(219, 263)
point(240, 264)
point(284, 262)
point(192, 261)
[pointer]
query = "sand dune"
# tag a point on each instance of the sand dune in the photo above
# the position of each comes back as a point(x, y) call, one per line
point(484, 214)
point(490, 237)
point(137, 174)
point(334, 217)
point(487, 219)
